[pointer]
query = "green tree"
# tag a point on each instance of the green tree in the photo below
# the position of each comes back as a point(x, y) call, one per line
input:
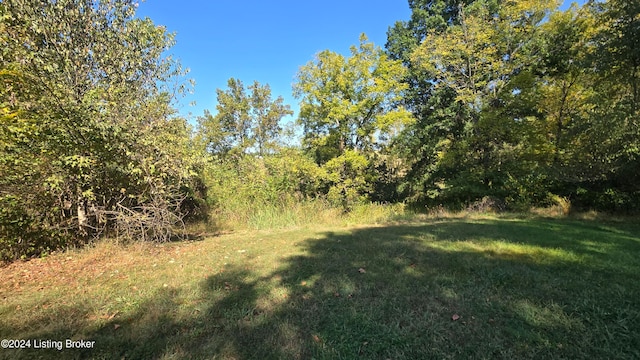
point(439, 119)
point(86, 107)
point(514, 100)
point(266, 114)
point(244, 122)
point(613, 137)
point(350, 103)
point(564, 89)
point(470, 73)
point(618, 49)
point(402, 40)
point(479, 56)
point(349, 111)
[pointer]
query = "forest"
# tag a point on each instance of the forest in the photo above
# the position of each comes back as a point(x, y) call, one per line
point(471, 104)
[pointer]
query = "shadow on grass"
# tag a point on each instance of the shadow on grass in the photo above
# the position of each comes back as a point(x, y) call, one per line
point(516, 289)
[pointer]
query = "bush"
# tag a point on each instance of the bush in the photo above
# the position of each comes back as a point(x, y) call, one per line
point(24, 234)
point(347, 178)
point(487, 204)
point(250, 191)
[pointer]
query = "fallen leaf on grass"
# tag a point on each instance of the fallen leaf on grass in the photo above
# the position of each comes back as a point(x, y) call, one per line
point(105, 316)
point(317, 339)
point(362, 270)
point(116, 326)
point(455, 317)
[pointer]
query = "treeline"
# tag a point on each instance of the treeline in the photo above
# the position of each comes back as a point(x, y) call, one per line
point(89, 143)
point(515, 102)
point(520, 101)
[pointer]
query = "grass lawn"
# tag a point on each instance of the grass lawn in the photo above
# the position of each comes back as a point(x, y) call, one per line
point(466, 287)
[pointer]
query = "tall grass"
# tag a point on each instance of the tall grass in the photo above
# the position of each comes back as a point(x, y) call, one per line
point(290, 213)
point(281, 191)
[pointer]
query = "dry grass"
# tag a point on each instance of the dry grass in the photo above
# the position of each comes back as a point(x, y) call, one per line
point(518, 287)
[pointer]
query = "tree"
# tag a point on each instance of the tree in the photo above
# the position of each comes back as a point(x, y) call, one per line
point(613, 137)
point(479, 56)
point(517, 101)
point(469, 72)
point(87, 106)
point(350, 103)
point(439, 119)
point(619, 46)
point(244, 122)
point(266, 114)
point(405, 36)
point(564, 88)
point(349, 111)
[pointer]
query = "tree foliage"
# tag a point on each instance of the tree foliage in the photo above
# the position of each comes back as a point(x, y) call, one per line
point(478, 57)
point(87, 129)
point(244, 122)
point(349, 111)
point(348, 103)
point(519, 100)
point(514, 103)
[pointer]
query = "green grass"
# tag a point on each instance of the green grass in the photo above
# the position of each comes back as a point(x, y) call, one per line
point(519, 288)
point(289, 213)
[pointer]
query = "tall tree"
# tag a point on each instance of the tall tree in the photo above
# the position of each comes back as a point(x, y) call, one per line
point(405, 36)
point(350, 103)
point(616, 106)
point(244, 122)
point(85, 103)
point(266, 114)
point(479, 56)
point(439, 118)
point(618, 42)
point(564, 89)
point(470, 68)
point(349, 110)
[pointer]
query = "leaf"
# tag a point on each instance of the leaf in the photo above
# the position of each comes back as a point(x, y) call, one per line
point(362, 270)
point(455, 317)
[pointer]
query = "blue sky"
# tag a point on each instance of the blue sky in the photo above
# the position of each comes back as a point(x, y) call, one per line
point(265, 41)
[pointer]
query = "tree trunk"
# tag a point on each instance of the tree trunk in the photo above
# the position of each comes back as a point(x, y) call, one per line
point(81, 207)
